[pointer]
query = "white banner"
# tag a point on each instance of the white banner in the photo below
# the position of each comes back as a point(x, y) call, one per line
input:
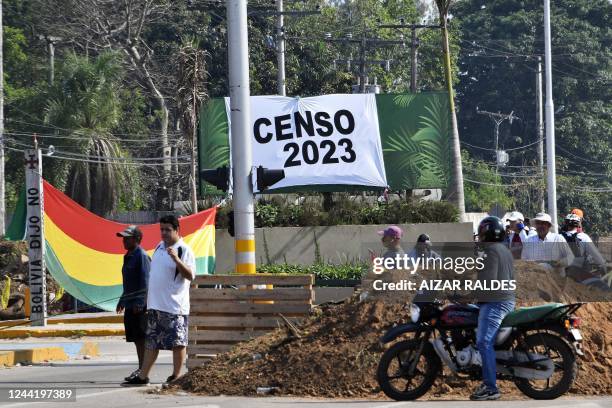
point(330, 139)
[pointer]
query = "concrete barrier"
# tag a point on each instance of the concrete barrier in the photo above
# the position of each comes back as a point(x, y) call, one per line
point(335, 244)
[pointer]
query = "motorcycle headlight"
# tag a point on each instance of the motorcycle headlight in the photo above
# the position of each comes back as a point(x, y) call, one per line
point(415, 313)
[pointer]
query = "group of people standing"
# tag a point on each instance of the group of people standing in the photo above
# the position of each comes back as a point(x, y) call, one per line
point(155, 299)
point(571, 252)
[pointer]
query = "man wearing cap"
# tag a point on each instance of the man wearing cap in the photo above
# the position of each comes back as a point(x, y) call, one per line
point(547, 248)
point(133, 301)
point(391, 237)
point(422, 249)
point(518, 233)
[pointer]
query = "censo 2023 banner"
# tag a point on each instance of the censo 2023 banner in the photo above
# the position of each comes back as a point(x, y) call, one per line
point(339, 142)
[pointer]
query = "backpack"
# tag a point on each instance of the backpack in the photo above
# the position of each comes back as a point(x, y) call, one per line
point(574, 242)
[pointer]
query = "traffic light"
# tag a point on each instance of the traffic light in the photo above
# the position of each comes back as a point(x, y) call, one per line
point(218, 177)
point(268, 177)
point(230, 223)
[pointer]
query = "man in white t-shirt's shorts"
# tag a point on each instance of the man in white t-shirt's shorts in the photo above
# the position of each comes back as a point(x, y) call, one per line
point(172, 270)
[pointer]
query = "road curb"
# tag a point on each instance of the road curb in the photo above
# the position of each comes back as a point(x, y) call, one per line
point(33, 355)
point(25, 332)
point(9, 358)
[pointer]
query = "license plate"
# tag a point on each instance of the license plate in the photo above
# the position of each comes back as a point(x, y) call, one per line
point(576, 334)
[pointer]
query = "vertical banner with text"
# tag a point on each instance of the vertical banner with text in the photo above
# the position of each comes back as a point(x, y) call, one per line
point(35, 237)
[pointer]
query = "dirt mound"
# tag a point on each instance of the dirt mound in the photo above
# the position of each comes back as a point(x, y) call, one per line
point(338, 351)
point(14, 264)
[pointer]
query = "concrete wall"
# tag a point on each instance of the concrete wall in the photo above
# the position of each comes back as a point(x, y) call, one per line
point(337, 244)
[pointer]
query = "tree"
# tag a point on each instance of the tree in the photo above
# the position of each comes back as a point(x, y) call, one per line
point(501, 43)
point(83, 105)
point(98, 25)
point(189, 98)
point(456, 191)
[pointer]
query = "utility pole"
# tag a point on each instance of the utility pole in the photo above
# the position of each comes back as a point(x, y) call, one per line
point(498, 119)
point(365, 44)
point(550, 122)
point(280, 13)
point(362, 65)
point(242, 159)
point(2, 185)
point(51, 41)
point(280, 49)
point(540, 119)
point(414, 48)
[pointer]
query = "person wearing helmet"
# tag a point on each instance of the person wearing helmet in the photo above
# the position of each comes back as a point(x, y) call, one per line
point(494, 306)
point(580, 214)
point(588, 266)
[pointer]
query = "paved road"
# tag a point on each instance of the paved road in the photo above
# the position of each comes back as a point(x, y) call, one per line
point(97, 383)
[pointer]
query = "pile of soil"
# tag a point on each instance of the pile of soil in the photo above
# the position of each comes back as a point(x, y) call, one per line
point(14, 264)
point(338, 351)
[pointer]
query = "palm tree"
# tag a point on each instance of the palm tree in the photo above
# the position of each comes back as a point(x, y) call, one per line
point(190, 95)
point(84, 105)
point(456, 189)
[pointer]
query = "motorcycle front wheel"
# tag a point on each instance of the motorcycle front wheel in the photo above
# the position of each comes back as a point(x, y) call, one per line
point(564, 362)
point(394, 370)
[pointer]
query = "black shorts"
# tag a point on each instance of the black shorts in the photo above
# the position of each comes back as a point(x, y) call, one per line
point(135, 325)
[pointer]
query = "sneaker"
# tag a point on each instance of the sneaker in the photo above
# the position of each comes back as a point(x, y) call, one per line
point(136, 382)
point(134, 374)
point(170, 379)
point(482, 393)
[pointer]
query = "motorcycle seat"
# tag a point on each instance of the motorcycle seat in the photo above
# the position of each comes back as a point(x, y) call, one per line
point(525, 315)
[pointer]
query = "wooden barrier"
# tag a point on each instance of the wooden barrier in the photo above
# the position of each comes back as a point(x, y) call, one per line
point(228, 309)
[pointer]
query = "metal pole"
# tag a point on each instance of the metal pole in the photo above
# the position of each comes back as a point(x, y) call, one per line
point(35, 237)
point(51, 50)
point(240, 107)
point(540, 118)
point(362, 66)
point(280, 49)
point(414, 52)
point(2, 186)
point(550, 121)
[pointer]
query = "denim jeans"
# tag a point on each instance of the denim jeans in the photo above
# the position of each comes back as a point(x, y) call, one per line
point(489, 319)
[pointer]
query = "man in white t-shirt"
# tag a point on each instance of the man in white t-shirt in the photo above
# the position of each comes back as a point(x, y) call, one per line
point(172, 270)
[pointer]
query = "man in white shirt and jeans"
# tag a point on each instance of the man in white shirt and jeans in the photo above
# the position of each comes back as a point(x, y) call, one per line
point(172, 270)
point(547, 248)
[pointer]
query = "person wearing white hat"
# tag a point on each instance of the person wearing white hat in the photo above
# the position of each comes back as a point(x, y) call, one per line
point(518, 233)
point(547, 248)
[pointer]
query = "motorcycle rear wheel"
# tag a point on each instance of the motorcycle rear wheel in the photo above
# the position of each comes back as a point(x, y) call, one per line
point(398, 360)
point(565, 368)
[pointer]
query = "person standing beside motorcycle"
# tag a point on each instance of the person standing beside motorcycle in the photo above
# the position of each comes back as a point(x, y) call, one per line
point(494, 306)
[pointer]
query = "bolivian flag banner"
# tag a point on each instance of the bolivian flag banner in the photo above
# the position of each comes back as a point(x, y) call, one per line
point(85, 256)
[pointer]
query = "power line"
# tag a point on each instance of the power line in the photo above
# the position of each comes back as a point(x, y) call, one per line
point(109, 162)
point(581, 158)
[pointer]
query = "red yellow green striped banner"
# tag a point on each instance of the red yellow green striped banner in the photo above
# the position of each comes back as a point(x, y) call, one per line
point(85, 256)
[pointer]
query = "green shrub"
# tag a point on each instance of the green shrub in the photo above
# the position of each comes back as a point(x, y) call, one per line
point(353, 270)
point(278, 212)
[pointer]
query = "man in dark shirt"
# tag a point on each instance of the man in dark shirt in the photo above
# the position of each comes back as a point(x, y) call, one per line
point(133, 301)
point(494, 305)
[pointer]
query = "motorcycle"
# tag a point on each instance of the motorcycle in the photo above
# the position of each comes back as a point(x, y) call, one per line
point(536, 347)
